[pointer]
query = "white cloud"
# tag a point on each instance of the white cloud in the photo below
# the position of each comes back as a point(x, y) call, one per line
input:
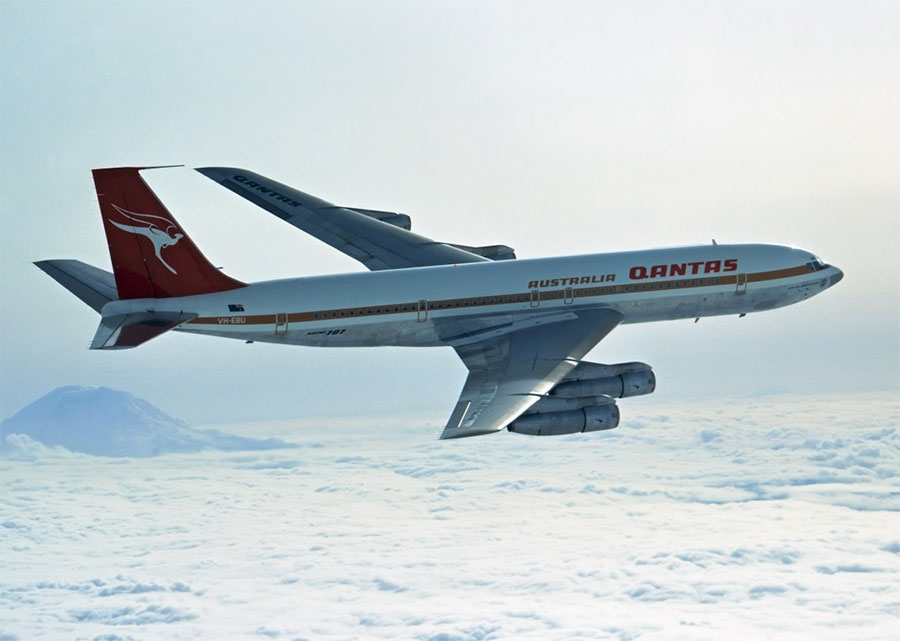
point(20, 447)
point(745, 519)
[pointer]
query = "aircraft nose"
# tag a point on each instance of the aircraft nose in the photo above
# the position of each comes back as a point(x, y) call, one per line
point(836, 277)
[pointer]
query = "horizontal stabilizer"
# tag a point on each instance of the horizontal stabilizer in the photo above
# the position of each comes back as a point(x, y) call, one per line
point(130, 330)
point(92, 285)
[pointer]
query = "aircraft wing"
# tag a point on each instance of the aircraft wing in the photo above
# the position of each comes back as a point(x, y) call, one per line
point(509, 372)
point(379, 240)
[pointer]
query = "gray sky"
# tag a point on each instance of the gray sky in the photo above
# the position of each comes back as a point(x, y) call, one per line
point(554, 127)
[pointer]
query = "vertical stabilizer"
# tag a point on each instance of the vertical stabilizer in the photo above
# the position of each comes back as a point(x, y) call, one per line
point(151, 254)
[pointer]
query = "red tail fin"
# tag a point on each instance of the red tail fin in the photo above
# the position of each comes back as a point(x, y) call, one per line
point(151, 254)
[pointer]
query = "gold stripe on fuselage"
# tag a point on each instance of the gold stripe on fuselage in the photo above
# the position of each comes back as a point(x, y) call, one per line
point(502, 299)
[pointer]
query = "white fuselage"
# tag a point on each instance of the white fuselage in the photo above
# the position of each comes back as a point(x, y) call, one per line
point(443, 305)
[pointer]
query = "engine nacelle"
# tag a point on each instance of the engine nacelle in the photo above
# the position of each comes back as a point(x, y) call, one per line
point(559, 404)
point(494, 252)
point(391, 218)
point(587, 419)
point(586, 370)
point(620, 386)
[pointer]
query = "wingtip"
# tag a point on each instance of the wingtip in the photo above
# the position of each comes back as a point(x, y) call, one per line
point(450, 434)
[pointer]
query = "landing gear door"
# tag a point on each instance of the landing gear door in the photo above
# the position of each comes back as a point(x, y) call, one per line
point(741, 287)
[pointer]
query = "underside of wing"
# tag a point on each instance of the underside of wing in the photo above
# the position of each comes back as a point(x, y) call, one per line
point(378, 239)
point(509, 372)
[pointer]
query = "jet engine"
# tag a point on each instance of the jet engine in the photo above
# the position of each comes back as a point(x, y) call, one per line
point(583, 400)
point(391, 218)
point(587, 419)
point(494, 252)
point(618, 381)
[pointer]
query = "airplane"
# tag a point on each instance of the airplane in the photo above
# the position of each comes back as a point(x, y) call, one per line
point(521, 327)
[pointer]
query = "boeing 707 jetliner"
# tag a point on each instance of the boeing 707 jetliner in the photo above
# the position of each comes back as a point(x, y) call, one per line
point(522, 327)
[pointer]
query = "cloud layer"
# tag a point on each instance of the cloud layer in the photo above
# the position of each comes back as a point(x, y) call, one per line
point(774, 517)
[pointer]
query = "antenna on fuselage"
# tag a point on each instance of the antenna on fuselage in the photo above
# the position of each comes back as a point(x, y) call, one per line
point(714, 242)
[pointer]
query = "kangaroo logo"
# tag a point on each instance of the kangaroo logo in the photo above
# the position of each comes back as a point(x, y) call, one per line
point(162, 232)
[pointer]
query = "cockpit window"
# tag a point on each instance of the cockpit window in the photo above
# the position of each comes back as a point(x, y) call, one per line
point(815, 264)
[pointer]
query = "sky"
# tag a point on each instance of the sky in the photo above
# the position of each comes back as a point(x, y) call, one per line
point(554, 127)
point(777, 518)
point(753, 495)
